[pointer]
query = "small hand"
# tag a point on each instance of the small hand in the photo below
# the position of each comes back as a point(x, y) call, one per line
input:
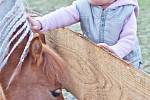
point(106, 47)
point(36, 26)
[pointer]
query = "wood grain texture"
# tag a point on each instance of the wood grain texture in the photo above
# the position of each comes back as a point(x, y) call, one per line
point(95, 74)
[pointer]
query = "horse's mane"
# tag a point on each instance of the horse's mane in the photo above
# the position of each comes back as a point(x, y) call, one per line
point(14, 28)
point(8, 26)
point(1, 1)
point(13, 25)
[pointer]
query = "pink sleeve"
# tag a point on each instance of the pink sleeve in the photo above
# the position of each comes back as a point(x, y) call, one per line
point(127, 39)
point(60, 18)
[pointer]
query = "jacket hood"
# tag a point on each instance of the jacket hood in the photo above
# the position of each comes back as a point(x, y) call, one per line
point(126, 2)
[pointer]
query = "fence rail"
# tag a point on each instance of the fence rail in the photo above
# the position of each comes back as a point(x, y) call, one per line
point(95, 74)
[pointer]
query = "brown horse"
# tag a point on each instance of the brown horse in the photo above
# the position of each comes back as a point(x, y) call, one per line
point(40, 75)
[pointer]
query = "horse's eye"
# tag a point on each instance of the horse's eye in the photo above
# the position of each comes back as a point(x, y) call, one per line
point(56, 92)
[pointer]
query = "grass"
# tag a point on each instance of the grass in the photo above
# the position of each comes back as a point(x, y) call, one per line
point(144, 32)
point(45, 6)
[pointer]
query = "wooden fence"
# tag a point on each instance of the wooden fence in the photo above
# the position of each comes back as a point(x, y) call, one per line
point(95, 74)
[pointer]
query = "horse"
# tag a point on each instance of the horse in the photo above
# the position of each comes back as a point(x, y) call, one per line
point(39, 74)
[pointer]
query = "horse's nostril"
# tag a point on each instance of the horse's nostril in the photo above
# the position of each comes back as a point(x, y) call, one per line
point(56, 92)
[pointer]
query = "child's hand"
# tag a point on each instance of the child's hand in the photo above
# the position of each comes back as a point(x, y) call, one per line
point(105, 46)
point(36, 26)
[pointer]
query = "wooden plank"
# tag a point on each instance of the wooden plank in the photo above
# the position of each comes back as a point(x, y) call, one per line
point(93, 73)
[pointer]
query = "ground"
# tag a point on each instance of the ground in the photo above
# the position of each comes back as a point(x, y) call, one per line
point(45, 6)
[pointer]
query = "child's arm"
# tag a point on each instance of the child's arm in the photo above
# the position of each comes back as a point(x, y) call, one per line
point(59, 18)
point(127, 39)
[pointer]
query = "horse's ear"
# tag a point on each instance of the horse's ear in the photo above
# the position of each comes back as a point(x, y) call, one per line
point(42, 37)
point(36, 48)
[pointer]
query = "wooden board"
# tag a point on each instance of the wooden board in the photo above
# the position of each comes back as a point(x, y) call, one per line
point(93, 73)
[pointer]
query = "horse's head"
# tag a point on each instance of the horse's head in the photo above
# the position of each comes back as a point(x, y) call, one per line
point(51, 63)
point(40, 76)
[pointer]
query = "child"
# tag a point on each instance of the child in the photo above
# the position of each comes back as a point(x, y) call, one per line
point(110, 23)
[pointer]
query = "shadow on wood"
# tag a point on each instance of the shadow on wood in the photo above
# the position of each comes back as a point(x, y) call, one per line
point(93, 73)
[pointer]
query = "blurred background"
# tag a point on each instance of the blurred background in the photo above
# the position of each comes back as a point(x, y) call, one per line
point(46, 6)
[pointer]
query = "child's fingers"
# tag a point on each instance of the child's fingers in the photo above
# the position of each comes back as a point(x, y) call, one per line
point(34, 24)
point(105, 46)
point(35, 28)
